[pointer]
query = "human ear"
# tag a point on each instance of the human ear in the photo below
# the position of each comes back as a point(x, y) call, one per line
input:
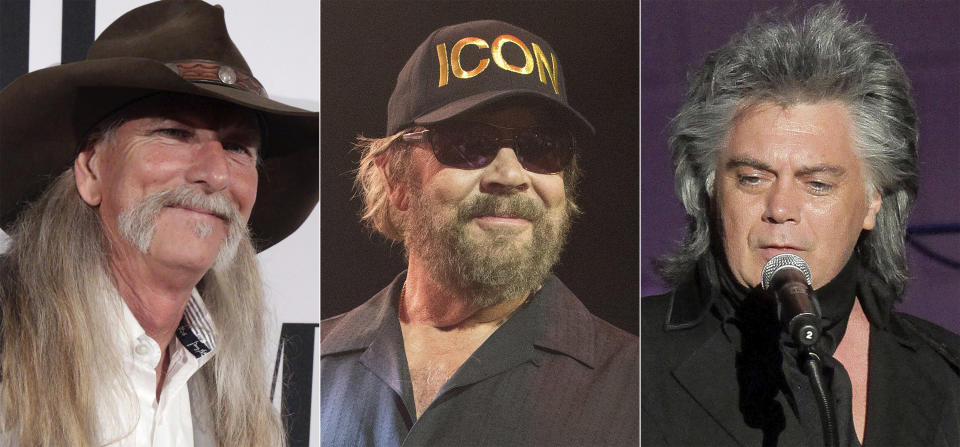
point(396, 191)
point(870, 220)
point(86, 171)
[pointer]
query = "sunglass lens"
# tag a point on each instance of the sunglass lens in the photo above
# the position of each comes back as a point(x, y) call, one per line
point(465, 147)
point(544, 151)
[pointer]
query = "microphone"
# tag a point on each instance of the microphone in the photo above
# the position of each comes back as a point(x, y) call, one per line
point(787, 277)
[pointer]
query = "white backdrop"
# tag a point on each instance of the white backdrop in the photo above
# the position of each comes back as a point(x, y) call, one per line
point(280, 41)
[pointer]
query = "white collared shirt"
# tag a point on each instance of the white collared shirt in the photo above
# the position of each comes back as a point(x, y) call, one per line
point(137, 419)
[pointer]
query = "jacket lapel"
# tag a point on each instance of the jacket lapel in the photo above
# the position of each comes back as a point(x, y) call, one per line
point(709, 373)
point(706, 374)
point(900, 395)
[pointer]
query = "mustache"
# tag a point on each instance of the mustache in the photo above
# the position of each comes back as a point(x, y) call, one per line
point(185, 196)
point(515, 206)
point(136, 224)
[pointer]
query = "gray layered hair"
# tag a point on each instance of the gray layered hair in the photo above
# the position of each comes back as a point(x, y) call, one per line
point(824, 57)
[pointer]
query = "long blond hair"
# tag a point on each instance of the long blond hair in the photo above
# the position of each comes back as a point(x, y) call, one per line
point(56, 359)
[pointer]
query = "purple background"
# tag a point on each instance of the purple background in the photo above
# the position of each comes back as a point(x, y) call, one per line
point(676, 35)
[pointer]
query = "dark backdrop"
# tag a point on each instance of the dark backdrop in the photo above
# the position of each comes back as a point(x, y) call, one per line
point(677, 34)
point(364, 45)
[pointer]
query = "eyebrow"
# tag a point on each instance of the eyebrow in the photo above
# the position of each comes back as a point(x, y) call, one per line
point(834, 170)
point(236, 125)
point(739, 161)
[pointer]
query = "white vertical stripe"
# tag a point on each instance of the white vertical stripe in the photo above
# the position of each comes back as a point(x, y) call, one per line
point(109, 10)
point(4, 241)
point(199, 317)
point(46, 28)
point(196, 324)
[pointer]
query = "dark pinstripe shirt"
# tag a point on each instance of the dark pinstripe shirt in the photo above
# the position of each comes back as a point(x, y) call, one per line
point(553, 374)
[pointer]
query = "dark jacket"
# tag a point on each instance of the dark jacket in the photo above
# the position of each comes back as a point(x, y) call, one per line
point(691, 394)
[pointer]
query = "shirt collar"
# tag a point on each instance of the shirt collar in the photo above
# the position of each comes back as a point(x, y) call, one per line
point(554, 320)
point(562, 323)
point(196, 331)
point(357, 329)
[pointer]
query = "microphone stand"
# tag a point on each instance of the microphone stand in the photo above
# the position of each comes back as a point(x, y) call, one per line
point(812, 368)
point(800, 303)
point(787, 276)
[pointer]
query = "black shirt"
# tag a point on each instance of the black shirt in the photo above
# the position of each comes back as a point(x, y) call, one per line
point(553, 374)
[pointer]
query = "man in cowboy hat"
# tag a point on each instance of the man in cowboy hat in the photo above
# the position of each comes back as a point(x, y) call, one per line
point(137, 186)
point(476, 342)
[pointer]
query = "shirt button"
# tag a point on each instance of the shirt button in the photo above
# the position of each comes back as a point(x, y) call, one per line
point(142, 349)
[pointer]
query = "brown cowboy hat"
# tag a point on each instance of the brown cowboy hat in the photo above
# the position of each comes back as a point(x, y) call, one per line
point(177, 46)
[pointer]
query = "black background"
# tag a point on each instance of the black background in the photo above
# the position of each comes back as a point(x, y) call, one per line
point(363, 46)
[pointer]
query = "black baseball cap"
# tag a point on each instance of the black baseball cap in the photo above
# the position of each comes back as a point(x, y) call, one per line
point(462, 67)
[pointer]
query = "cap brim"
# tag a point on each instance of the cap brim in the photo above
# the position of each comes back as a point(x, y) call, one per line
point(479, 100)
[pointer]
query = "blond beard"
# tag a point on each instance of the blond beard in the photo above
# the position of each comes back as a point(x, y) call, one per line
point(491, 271)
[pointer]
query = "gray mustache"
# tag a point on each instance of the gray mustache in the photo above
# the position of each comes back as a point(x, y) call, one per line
point(136, 224)
point(188, 197)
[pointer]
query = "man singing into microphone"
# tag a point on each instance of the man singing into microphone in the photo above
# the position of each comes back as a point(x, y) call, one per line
point(795, 138)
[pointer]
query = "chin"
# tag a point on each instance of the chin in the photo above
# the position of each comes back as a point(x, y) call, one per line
point(188, 253)
point(188, 260)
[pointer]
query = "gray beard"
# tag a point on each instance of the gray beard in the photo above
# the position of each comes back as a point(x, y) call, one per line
point(136, 224)
point(491, 271)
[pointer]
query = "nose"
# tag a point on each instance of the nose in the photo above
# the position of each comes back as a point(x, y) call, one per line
point(209, 168)
point(505, 174)
point(783, 204)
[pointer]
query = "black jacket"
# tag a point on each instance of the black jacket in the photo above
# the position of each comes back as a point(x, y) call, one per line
point(691, 394)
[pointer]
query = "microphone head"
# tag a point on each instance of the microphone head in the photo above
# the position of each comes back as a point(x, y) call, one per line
point(784, 261)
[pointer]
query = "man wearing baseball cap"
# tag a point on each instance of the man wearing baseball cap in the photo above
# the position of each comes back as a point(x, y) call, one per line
point(137, 187)
point(476, 342)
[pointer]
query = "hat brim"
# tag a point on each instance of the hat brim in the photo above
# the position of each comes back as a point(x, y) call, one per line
point(479, 100)
point(46, 114)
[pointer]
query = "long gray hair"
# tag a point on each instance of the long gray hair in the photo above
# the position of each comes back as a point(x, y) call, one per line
point(56, 357)
point(823, 57)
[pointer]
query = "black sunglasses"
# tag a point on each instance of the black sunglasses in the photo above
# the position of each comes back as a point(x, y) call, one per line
point(474, 145)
